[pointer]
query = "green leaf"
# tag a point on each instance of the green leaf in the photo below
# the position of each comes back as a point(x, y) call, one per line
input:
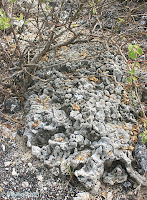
point(1, 12)
point(144, 140)
point(130, 47)
point(139, 51)
point(120, 20)
point(132, 72)
point(94, 10)
point(11, 1)
point(137, 64)
point(136, 46)
point(132, 54)
point(21, 16)
point(7, 25)
point(47, 7)
point(128, 80)
point(141, 134)
point(134, 78)
point(91, 3)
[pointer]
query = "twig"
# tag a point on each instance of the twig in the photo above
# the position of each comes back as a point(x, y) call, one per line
point(10, 119)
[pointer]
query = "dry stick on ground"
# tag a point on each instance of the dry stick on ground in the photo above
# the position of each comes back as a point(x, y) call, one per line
point(7, 56)
point(48, 47)
point(10, 119)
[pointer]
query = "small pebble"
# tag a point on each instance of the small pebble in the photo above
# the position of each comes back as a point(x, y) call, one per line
point(30, 164)
point(3, 147)
point(7, 163)
point(25, 184)
point(14, 173)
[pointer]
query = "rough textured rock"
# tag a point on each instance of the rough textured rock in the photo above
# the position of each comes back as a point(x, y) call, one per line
point(75, 122)
point(12, 105)
point(83, 195)
point(141, 155)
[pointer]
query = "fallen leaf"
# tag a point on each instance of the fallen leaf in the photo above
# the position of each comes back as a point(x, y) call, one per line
point(80, 158)
point(126, 128)
point(38, 100)
point(134, 138)
point(44, 58)
point(94, 79)
point(88, 154)
point(35, 124)
point(104, 193)
point(76, 107)
point(8, 126)
point(64, 48)
point(135, 133)
point(131, 148)
point(59, 139)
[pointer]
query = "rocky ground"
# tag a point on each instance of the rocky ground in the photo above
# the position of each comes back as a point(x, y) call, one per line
point(78, 102)
point(23, 176)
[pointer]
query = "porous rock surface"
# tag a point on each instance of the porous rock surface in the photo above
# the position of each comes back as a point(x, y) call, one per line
point(76, 121)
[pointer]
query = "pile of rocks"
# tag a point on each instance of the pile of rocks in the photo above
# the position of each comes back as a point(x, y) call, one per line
point(77, 121)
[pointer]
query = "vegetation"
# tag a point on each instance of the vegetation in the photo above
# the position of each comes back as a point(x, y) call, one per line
point(31, 31)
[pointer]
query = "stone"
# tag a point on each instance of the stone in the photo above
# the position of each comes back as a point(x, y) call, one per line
point(36, 151)
point(140, 152)
point(117, 74)
point(25, 184)
point(117, 175)
point(83, 195)
point(88, 139)
point(12, 105)
point(109, 196)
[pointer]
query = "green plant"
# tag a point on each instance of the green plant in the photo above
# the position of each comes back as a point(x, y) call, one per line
point(4, 21)
point(70, 171)
point(93, 7)
point(144, 133)
point(144, 136)
point(134, 51)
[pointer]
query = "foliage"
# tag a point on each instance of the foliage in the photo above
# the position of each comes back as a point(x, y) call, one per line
point(50, 23)
point(133, 53)
point(144, 133)
point(144, 136)
point(4, 21)
point(134, 50)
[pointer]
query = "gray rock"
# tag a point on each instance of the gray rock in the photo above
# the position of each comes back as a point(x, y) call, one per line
point(12, 105)
point(100, 116)
point(117, 74)
point(84, 195)
point(87, 140)
point(36, 151)
point(141, 155)
point(118, 175)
